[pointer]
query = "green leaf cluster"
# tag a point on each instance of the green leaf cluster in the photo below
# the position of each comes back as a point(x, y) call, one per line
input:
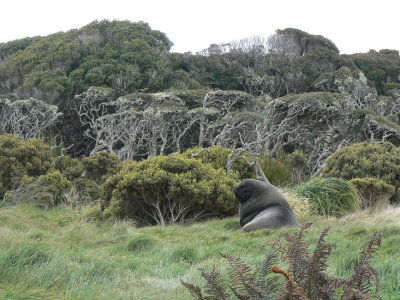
point(173, 182)
point(55, 184)
point(19, 158)
point(100, 165)
point(217, 156)
point(373, 192)
point(366, 160)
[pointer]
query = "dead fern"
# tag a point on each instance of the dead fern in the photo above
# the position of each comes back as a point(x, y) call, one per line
point(305, 280)
point(365, 279)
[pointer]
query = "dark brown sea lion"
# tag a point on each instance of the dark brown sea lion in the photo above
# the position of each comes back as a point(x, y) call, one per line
point(262, 205)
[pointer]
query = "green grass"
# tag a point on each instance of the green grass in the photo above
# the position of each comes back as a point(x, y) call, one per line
point(56, 254)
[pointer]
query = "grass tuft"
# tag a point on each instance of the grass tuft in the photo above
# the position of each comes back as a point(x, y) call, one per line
point(141, 243)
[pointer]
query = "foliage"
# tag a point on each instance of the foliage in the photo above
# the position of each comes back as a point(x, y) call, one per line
point(46, 191)
point(100, 165)
point(118, 54)
point(375, 160)
point(277, 169)
point(69, 167)
point(19, 158)
point(87, 189)
point(373, 192)
point(217, 156)
point(330, 196)
point(169, 189)
point(56, 184)
point(381, 67)
point(307, 277)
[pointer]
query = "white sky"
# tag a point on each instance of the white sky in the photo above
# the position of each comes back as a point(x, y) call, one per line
point(353, 25)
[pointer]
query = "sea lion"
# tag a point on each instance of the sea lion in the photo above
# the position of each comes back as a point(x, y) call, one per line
point(262, 205)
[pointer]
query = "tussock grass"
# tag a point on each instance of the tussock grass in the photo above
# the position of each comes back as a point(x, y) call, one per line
point(330, 196)
point(58, 254)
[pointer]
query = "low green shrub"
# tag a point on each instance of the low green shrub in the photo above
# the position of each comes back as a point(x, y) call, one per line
point(45, 191)
point(366, 160)
point(277, 169)
point(88, 190)
point(69, 167)
point(169, 189)
point(330, 196)
point(56, 184)
point(19, 158)
point(373, 192)
point(100, 165)
point(217, 156)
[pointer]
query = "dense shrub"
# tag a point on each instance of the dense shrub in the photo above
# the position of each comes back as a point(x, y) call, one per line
point(56, 185)
point(45, 191)
point(373, 160)
point(19, 158)
point(218, 157)
point(373, 192)
point(277, 169)
point(100, 164)
point(330, 196)
point(68, 166)
point(168, 189)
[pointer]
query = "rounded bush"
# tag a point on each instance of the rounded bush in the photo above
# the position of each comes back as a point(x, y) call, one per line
point(373, 192)
point(168, 189)
point(101, 164)
point(330, 196)
point(366, 160)
point(56, 185)
point(217, 156)
point(19, 158)
point(68, 166)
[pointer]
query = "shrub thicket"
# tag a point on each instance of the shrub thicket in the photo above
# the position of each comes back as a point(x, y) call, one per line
point(374, 160)
point(330, 196)
point(169, 189)
point(68, 166)
point(101, 164)
point(278, 170)
point(217, 156)
point(19, 158)
point(373, 192)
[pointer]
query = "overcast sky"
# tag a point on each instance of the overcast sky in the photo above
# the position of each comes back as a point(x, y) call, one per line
point(353, 25)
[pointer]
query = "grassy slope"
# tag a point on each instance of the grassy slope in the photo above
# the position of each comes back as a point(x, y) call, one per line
point(57, 255)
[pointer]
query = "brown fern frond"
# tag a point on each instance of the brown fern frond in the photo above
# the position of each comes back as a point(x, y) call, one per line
point(315, 278)
point(214, 284)
point(365, 277)
point(257, 291)
point(293, 290)
point(270, 285)
point(195, 291)
point(240, 295)
point(296, 252)
point(239, 272)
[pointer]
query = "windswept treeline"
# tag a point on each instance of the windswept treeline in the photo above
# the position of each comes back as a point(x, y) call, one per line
point(116, 86)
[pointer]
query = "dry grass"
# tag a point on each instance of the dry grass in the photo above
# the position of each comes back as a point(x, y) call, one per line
point(300, 205)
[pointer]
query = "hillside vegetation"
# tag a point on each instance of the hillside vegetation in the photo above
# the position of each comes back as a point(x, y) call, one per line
point(118, 158)
point(105, 77)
